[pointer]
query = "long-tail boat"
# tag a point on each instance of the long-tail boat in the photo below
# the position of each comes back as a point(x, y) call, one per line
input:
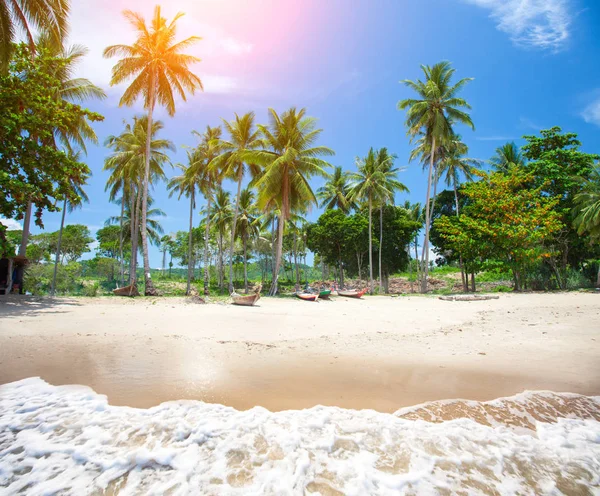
point(324, 293)
point(246, 300)
point(307, 296)
point(130, 290)
point(352, 293)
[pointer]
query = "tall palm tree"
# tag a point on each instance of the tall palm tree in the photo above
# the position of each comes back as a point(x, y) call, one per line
point(231, 164)
point(126, 165)
point(23, 15)
point(506, 156)
point(208, 179)
point(415, 213)
point(391, 185)
point(165, 242)
point(374, 181)
point(432, 113)
point(160, 70)
point(220, 216)
point(154, 229)
point(70, 205)
point(335, 192)
point(247, 226)
point(587, 209)
point(186, 184)
point(290, 158)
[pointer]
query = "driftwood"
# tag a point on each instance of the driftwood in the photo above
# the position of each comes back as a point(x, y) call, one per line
point(468, 298)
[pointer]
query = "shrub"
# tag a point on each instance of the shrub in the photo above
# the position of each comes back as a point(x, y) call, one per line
point(91, 289)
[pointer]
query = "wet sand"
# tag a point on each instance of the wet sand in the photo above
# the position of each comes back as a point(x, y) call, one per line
point(380, 353)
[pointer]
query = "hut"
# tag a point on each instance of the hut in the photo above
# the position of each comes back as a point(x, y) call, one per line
point(11, 274)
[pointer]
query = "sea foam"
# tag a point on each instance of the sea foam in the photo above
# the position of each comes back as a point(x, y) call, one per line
point(69, 440)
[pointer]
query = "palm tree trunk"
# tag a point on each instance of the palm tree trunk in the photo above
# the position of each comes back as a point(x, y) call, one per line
point(463, 276)
point(56, 259)
point(425, 255)
point(220, 258)
point(245, 241)
point(190, 265)
point(296, 258)
point(380, 244)
point(273, 248)
point(206, 237)
point(370, 246)
point(148, 286)
point(25, 234)
point(233, 227)
point(122, 264)
point(278, 253)
point(136, 228)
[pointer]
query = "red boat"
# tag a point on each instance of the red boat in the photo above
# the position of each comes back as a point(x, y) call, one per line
point(307, 296)
point(352, 293)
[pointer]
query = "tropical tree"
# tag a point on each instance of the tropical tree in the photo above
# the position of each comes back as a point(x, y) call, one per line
point(50, 16)
point(587, 209)
point(160, 70)
point(507, 156)
point(126, 165)
point(186, 184)
point(290, 157)
point(336, 192)
point(165, 242)
point(247, 226)
point(415, 213)
point(154, 229)
point(69, 205)
point(432, 113)
point(231, 163)
point(220, 216)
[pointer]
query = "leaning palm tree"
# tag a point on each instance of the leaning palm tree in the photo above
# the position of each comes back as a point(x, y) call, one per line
point(587, 208)
point(335, 192)
point(23, 15)
point(375, 180)
point(186, 184)
point(231, 164)
point(391, 185)
point(290, 157)
point(247, 226)
point(70, 205)
point(160, 70)
point(208, 180)
point(432, 113)
point(507, 156)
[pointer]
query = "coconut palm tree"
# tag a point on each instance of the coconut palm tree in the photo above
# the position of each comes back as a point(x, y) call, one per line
point(335, 192)
point(220, 216)
point(290, 157)
point(433, 112)
point(415, 213)
point(247, 226)
point(154, 229)
point(374, 181)
point(231, 164)
point(165, 242)
point(506, 156)
point(160, 70)
point(126, 165)
point(186, 184)
point(70, 205)
point(587, 208)
point(391, 185)
point(23, 15)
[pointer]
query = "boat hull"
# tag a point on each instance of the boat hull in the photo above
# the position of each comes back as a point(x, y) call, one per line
point(352, 294)
point(307, 297)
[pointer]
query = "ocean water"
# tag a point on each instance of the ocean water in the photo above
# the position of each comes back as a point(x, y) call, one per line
point(69, 440)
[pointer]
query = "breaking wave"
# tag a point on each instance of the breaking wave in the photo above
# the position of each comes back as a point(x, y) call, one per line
point(69, 440)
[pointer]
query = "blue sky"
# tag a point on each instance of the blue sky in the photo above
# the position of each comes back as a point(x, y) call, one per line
point(535, 65)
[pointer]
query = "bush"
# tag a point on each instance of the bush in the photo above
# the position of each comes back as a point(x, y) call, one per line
point(91, 289)
point(38, 278)
point(577, 280)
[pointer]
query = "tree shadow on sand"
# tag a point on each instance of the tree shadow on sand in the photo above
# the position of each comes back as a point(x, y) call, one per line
point(30, 306)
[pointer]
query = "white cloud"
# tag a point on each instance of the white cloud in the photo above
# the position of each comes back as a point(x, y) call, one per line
point(218, 84)
point(11, 225)
point(236, 47)
point(542, 24)
point(591, 113)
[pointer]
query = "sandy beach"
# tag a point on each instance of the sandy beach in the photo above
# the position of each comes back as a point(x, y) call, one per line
point(379, 353)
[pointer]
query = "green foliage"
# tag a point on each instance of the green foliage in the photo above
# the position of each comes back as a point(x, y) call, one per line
point(91, 289)
point(31, 167)
point(38, 278)
point(108, 241)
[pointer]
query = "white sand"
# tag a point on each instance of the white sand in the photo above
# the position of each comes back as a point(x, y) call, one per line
point(379, 352)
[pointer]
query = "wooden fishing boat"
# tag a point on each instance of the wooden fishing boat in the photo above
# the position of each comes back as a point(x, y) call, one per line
point(245, 300)
point(325, 293)
point(352, 293)
point(130, 290)
point(307, 296)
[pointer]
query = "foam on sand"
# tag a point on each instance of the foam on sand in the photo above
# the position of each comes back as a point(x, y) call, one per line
point(68, 440)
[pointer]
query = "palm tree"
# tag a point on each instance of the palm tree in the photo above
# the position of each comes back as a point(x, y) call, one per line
point(432, 113)
point(186, 185)
point(20, 16)
point(247, 226)
point(506, 156)
point(389, 176)
point(165, 242)
point(415, 213)
point(587, 209)
point(160, 69)
point(154, 229)
point(290, 158)
point(70, 205)
point(374, 181)
point(220, 216)
point(231, 164)
point(126, 166)
point(335, 192)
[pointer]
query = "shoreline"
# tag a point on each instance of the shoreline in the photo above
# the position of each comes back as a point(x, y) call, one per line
point(379, 353)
